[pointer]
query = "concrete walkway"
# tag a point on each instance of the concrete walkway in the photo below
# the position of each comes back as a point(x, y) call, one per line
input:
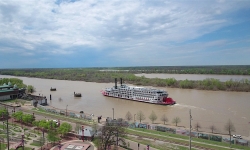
point(92, 147)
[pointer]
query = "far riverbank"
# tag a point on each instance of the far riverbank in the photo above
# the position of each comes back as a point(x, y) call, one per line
point(92, 75)
point(195, 77)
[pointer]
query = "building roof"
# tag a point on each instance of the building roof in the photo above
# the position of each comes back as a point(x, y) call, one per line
point(8, 90)
point(5, 86)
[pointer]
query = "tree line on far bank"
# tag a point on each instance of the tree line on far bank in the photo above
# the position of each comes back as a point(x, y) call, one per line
point(95, 75)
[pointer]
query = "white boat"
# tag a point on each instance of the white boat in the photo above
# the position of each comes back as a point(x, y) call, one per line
point(140, 94)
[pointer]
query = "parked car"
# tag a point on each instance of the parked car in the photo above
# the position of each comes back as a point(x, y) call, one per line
point(237, 136)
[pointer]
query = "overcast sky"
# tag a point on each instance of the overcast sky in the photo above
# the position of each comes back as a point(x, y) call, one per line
point(108, 33)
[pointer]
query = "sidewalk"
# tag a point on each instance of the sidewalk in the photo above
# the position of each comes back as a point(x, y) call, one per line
point(134, 145)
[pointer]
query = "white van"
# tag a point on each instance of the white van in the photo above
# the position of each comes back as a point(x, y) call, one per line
point(237, 136)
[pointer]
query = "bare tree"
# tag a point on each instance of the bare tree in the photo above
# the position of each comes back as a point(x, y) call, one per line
point(153, 116)
point(229, 127)
point(111, 133)
point(212, 128)
point(164, 118)
point(128, 116)
point(176, 120)
point(197, 126)
point(140, 116)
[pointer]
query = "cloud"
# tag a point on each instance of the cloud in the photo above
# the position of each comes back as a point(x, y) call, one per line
point(63, 27)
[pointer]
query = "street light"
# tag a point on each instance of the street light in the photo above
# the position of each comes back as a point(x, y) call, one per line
point(66, 110)
point(134, 117)
point(22, 121)
point(113, 113)
point(12, 117)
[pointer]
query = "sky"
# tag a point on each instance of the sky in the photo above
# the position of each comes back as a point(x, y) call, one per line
point(113, 33)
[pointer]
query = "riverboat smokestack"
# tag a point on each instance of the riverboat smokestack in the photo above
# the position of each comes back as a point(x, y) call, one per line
point(115, 83)
point(121, 81)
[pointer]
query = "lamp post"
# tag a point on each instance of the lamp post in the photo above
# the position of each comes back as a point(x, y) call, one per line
point(7, 128)
point(12, 117)
point(113, 113)
point(66, 110)
point(134, 117)
point(22, 121)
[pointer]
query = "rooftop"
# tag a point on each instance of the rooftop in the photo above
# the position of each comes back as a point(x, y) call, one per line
point(5, 86)
point(7, 90)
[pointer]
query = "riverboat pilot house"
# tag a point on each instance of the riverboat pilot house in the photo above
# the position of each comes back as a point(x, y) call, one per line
point(10, 92)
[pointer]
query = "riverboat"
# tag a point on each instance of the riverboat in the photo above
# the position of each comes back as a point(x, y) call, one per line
point(140, 94)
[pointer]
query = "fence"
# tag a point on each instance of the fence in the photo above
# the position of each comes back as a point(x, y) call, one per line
point(193, 134)
point(69, 113)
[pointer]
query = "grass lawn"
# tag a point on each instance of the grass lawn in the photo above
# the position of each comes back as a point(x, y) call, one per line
point(36, 144)
point(61, 117)
point(164, 136)
point(157, 146)
point(2, 146)
point(21, 148)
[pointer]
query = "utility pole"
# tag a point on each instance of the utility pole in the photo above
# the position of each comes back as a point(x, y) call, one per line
point(190, 146)
point(8, 141)
point(113, 114)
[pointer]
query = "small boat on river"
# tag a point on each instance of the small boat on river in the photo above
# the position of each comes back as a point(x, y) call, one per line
point(52, 89)
point(77, 94)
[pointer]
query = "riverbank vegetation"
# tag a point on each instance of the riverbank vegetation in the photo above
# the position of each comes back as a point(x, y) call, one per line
point(13, 81)
point(104, 76)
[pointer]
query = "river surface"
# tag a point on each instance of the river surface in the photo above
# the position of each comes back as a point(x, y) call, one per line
point(222, 78)
point(208, 107)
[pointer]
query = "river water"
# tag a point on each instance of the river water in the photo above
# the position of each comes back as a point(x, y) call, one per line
point(208, 107)
point(222, 78)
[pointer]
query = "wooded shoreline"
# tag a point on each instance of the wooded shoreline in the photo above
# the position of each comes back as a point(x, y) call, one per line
point(95, 75)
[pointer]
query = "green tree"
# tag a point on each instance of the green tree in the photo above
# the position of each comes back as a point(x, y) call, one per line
point(3, 112)
point(28, 118)
point(13, 81)
point(17, 115)
point(30, 89)
point(153, 116)
point(47, 124)
point(64, 128)
point(36, 123)
point(52, 136)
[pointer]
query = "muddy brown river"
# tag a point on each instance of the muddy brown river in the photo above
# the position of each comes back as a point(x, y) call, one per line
point(208, 107)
